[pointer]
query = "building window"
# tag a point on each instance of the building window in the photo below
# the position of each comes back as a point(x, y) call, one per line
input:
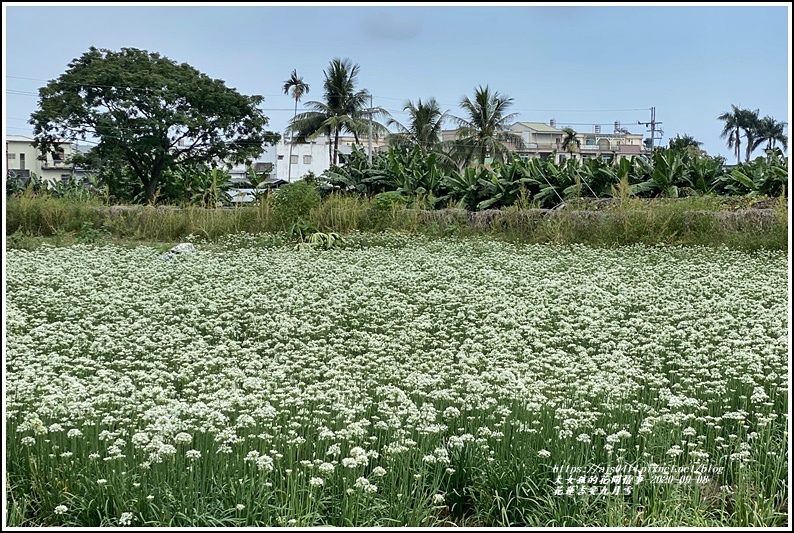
point(281, 158)
point(12, 156)
point(21, 161)
point(293, 160)
point(307, 160)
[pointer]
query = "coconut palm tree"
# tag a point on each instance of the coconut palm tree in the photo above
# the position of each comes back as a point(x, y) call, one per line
point(298, 88)
point(425, 121)
point(772, 132)
point(344, 109)
point(570, 142)
point(487, 126)
point(749, 124)
point(734, 121)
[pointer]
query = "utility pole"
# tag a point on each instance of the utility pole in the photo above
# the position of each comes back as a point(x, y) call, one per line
point(652, 124)
point(369, 137)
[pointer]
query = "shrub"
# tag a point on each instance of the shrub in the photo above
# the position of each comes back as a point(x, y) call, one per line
point(390, 199)
point(294, 201)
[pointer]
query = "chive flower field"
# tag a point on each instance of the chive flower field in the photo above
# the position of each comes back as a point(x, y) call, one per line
point(409, 381)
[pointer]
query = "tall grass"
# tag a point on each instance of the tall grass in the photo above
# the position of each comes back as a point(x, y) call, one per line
point(691, 221)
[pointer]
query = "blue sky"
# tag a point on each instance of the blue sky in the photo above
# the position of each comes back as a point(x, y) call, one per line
point(577, 64)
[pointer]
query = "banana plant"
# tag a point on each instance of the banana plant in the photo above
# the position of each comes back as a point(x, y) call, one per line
point(640, 171)
point(764, 176)
point(320, 240)
point(555, 183)
point(599, 177)
point(466, 187)
point(506, 184)
point(417, 175)
point(357, 175)
point(214, 189)
point(668, 169)
point(702, 176)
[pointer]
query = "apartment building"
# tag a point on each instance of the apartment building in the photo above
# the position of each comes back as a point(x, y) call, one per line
point(545, 141)
point(22, 159)
point(315, 155)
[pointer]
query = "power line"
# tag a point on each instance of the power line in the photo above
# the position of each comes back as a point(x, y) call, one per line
point(373, 96)
point(653, 124)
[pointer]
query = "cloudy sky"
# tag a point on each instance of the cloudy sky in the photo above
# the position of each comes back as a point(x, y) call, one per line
point(580, 65)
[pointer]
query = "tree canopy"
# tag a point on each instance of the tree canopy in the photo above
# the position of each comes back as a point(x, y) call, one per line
point(149, 113)
point(487, 126)
point(570, 142)
point(344, 109)
point(423, 128)
point(757, 131)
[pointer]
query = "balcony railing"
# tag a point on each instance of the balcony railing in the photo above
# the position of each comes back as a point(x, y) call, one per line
point(545, 147)
point(55, 164)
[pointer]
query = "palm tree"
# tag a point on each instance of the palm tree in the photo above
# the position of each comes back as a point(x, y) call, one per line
point(570, 142)
point(424, 125)
point(772, 132)
point(298, 88)
point(343, 109)
point(749, 123)
point(487, 126)
point(734, 121)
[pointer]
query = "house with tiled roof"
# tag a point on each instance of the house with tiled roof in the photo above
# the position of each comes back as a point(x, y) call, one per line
point(545, 140)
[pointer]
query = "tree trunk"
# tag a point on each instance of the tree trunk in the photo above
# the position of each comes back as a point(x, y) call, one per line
point(151, 190)
point(738, 148)
point(336, 146)
point(154, 180)
point(330, 149)
point(291, 142)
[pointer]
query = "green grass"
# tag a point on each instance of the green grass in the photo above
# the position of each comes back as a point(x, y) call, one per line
point(688, 221)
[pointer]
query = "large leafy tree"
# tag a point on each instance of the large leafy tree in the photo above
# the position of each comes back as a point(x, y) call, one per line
point(298, 88)
point(149, 113)
point(343, 109)
point(423, 128)
point(487, 127)
point(771, 131)
point(732, 130)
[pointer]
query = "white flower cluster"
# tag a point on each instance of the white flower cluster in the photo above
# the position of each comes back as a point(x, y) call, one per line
point(450, 347)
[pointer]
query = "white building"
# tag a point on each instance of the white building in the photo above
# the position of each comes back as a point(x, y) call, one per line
point(311, 156)
point(23, 159)
point(315, 155)
point(273, 162)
